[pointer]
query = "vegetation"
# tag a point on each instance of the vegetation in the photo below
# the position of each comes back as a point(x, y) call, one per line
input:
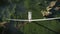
point(18, 9)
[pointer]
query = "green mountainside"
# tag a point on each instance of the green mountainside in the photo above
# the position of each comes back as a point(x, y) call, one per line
point(18, 9)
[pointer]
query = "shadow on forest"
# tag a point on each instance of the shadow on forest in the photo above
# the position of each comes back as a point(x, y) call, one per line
point(9, 29)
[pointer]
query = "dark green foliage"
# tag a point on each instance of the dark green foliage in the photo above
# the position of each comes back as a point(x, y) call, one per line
point(4, 2)
point(18, 9)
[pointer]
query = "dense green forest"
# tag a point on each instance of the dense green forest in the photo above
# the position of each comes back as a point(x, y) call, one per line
point(18, 9)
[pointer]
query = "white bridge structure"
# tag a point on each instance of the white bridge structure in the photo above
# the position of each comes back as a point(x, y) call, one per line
point(30, 18)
